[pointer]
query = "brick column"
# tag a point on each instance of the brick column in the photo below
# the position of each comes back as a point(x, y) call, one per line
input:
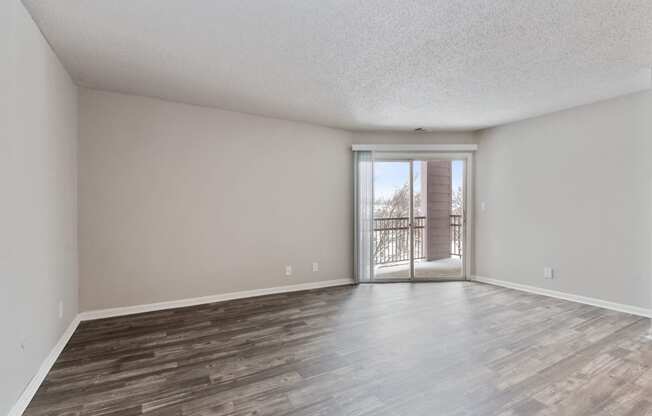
point(439, 210)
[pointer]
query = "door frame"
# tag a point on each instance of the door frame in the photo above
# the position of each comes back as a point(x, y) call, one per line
point(468, 212)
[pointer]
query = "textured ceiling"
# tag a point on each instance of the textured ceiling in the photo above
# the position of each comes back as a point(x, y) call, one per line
point(373, 64)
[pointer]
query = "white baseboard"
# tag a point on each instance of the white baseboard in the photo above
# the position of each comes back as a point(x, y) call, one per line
point(129, 310)
point(29, 392)
point(633, 310)
point(27, 395)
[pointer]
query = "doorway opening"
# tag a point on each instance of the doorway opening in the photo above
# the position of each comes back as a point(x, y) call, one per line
point(419, 220)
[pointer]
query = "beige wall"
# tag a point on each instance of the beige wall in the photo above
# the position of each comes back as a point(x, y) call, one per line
point(570, 190)
point(179, 201)
point(38, 247)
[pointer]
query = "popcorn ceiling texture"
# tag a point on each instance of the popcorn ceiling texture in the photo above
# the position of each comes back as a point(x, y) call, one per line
point(374, 64)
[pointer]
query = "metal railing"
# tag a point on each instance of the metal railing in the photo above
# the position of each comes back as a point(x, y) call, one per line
point(392, 238)
point(456, 235)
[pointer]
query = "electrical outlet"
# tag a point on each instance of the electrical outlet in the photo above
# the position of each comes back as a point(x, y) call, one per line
point(288, 270)
point(60, 309)
point(315, 267)
point(548, 273)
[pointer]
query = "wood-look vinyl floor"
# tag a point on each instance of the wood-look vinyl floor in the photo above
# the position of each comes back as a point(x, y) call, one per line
point(456, 348)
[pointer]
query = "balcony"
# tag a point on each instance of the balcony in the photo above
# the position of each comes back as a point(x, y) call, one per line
point(392, 249)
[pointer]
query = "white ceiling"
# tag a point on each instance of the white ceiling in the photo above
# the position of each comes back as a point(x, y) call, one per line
point(373, 64)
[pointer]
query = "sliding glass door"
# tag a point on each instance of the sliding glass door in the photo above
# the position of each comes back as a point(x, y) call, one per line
point(392, 225)
point(418, 220)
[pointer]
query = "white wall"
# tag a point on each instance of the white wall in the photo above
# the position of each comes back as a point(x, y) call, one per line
point(571, 190)
point(38, 205)
point(180, 201)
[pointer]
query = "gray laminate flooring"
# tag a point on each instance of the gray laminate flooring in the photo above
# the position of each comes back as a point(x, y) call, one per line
point(456, 348)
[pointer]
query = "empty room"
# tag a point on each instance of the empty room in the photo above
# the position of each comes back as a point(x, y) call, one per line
point(372, 208)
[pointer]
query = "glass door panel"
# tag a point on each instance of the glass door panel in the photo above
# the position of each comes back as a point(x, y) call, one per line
point(438, 201)
point(392, 235)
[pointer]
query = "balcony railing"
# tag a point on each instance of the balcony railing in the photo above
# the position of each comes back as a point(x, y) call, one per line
point(392, 238)
point(456, 235)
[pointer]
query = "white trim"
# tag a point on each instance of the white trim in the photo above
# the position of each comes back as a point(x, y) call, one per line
point(31, 389)
point(29, 392)
point(425, 155)
point(415, 147)
point(180, 303)
point(633, 310)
